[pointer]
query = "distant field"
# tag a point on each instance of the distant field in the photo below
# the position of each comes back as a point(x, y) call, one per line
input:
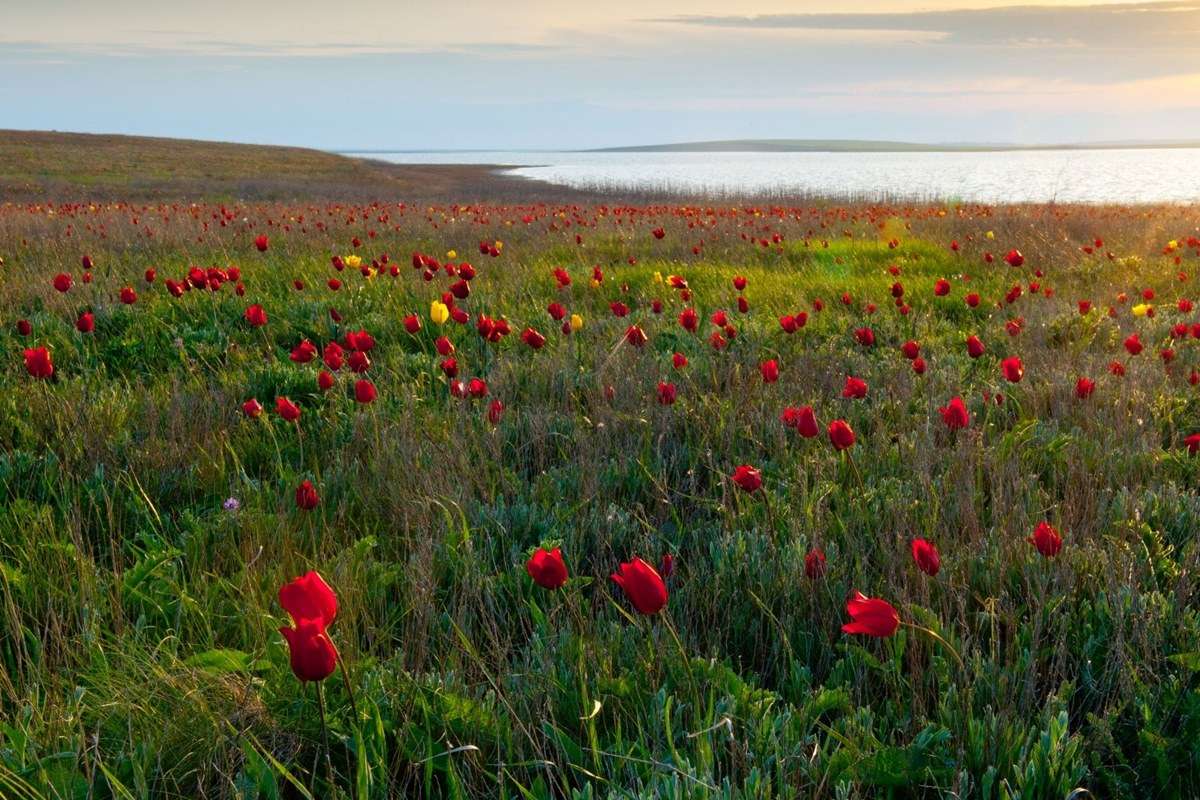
point(37, 165)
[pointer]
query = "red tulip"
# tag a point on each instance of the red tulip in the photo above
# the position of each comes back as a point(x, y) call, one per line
point(769, 370)
point(261, 243)
point(304, 352)
point(955, 414)
point(287, 409)
point(1046, 539)
point(1014, 258)
point(972, 300)
point(252, 408)
point(814, 564)
point(256, 316)
point(941, 288)
point(312, 655)
point(918, 365)
point(739, 283)
point(679, 360)
point(495, 411)
point(1133, 345)
point(306, 496)
point(334, 356)
point(841, 435)
point(359, 362)
point(635, 336)
point(364, 391)
point(325, 380)
point(38, 362)
point(666, 393)
point(910, 349)
point(86, 322)
point(128, 296)
point(865, 337)
point(689, 320)
point(975, 346)
point(24, 328)
point(547, 568)
point(1084, 388)
point(360, 341)
point(1013, 369)
point(806, 423)
point(477, 387)
point(1192, 443)
point(412, 323)
point(63, 282)
point(642, 585)
point(855, 388)
point(532, 338)
point(926, 556)
point(871, 616)
point(309, 597)
point(747, 478)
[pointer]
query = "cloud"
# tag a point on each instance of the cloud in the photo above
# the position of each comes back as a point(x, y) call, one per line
point(1158, 25)
point(33, 52)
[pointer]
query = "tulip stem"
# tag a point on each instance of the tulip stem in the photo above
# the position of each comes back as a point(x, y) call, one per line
point(324, 731)
point(854, 469)
point(937, 637)
point(687, 663)
point(349, 687)
point(770, 514)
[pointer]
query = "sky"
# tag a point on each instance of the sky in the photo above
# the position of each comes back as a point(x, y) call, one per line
point(559, 74)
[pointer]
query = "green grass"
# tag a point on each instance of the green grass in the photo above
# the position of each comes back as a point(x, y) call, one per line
point(139, 650)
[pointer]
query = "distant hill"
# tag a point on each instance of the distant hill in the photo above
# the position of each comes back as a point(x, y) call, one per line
point(49, 165)
point(874, 146)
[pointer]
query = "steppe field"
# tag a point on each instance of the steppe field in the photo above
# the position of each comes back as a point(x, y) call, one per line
point(322, 478)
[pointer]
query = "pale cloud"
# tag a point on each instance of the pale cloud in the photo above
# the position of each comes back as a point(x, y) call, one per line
point(1121, 25)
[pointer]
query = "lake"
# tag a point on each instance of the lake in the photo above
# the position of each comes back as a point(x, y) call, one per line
point(1089, 176)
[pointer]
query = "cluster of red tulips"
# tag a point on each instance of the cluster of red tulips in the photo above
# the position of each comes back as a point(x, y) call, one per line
point(310, 602)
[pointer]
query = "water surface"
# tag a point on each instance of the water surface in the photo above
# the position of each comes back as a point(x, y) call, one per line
point(1090, 176)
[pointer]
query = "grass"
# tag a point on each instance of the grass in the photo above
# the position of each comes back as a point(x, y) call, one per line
point(140, 652)
point(35, 165)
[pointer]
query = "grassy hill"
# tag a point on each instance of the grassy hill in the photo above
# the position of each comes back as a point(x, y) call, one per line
point(39, 165)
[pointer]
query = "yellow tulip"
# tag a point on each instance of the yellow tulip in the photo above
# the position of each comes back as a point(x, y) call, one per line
point(438, 312)
point(354, 262)
point(991, 234)
point(1141, 309)
point(451, 254)
point(576, 322)
point(658, 277)
point(595, 283)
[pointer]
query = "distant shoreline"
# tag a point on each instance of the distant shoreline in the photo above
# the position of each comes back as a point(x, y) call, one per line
point(816, 146)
